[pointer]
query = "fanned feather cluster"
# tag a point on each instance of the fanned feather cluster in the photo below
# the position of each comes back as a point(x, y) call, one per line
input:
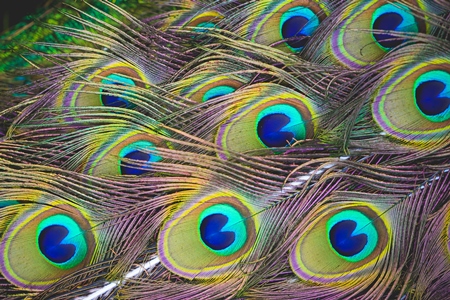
point(270, 149)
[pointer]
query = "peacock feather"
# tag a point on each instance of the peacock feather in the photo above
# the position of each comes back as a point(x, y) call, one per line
point(226, 150)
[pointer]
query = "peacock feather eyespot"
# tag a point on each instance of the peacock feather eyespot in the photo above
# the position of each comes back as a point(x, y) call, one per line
point(218, 91)
point(222, 229)
point(348, 234)
point(202, 90)
point(107, 85)
point(61, 241)
point(113, 99)
point(413, 102)
point(392, 17)
point(137, 151)
point(370, 29)
point(280, 125)
point(296, 22)
point(45, 243)
point(342, 242)
point(218, 229)
point(276, 117)
point(432, 95)
point(297, 25)
point(128, 153)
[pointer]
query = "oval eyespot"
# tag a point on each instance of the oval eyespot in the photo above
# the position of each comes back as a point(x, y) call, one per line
point(296, 22)
point(395, 18)
point(218, 229)
point(131, 153)
point(215, 87)
point(280, 125)
point(218, 91)
point(114, 98)
point(111, 85)
point(351, 43)
point(44, 244)
point(352, 235)
point(297, 25)
point(412, 103)
point(432, 95)
point(222, 229)
point(61, 241)
point(136, 159)
point(340, 244)
point(277, 117)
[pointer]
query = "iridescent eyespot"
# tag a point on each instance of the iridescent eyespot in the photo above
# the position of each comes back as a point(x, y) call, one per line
point(432, 95)
point(392, 17)
point(112, 85)
point(352, 235)
point(296, 22)
point(201, 89)
point(218, 230)
point(370, 29)
point(297, 25)
point(140, 153)
point(131, 153)
point(222, 229)
point(412, 102)
point(61, 241)
point(275, 117)
point(280, 125)
point(340, 243)
point(44, 244)
point(218, 91)
point(112, 98)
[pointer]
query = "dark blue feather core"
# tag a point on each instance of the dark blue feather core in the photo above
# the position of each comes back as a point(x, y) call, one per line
point(388, 21)
point(297, 25)
point(292, 28)
point(270, 130)
point(51, 246)
point(211, 232)
point(429, 99)
point(128, 168)
point(343, 239)
point(108, 99)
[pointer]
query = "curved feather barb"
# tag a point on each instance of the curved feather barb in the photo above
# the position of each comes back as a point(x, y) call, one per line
point(227, 150)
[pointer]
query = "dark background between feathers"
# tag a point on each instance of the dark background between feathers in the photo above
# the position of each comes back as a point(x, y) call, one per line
point(13, 11)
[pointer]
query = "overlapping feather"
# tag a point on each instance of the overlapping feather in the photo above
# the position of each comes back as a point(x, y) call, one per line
point(232, 149)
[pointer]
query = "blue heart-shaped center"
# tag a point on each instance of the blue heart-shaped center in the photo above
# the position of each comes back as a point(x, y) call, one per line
point(108, 99)
point(50, 243)
point(344, 241)
point(129, 168)
point(270, 130)
point(293, 28)
point(212, 234)
point(387, 21)
point(428, 97)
